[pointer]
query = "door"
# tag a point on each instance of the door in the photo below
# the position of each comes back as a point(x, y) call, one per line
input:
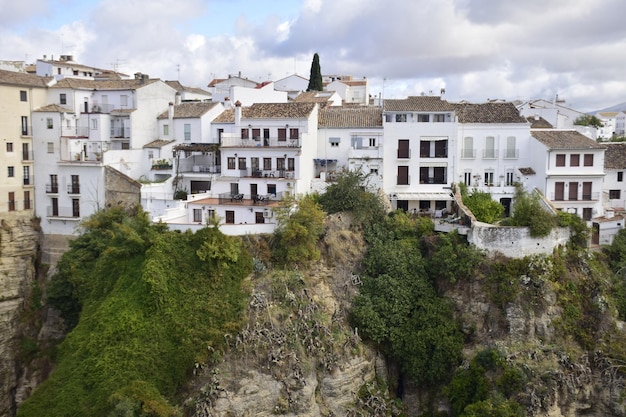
point(559, 191)
point(258, 217)
point(253, 191)
point(586, 190)
point(506, 203)
point(230, 217)
point(573, 191)
point(403, 148)
point(403, 205)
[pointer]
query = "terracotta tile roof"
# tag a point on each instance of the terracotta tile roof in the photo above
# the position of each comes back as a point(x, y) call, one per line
point(615, 155)
point(216, 81)
point(526, 171)
point(158, 143)
point(351, 117)
point(23, 79)
point(84, 84)
point(355, 83)
point(122, 112)
point(539, 123)
point(608, 113)
point(176, 85)
point(269, 111)
point(313, 97)
point(189, 110)
point(54, 108)
point(488, 113)
point(565, 139)
point(418, 103)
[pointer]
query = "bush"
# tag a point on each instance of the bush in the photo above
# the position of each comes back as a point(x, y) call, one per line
point(528, 212)
point(480, 203)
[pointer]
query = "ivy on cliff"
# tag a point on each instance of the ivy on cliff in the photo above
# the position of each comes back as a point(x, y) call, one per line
point(147, 304)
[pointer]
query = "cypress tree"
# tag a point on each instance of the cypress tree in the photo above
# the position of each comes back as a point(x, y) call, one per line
point(315, 79)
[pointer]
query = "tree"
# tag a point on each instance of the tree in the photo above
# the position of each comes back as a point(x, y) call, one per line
point(588, 120)
point(315, 79)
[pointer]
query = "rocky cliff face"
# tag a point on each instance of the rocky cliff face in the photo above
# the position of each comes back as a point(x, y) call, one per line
point(19, 238)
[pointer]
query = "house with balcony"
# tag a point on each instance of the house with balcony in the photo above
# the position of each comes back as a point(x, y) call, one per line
point(614, 185)
point(21, 93)
point(66, 67)
point(419, 153)
point(350, 90)
point(350, 138)
point(493, 144)
point(266, 153)
point(570, 171)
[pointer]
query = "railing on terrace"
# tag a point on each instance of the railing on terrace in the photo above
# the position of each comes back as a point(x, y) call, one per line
point(29, 180)
point(208, 169)
point(28, 156)
point(75, 131)
point(510, 153)
point(249, 199)
point(52, 188)
point(584, 197)
point(273, 142)
point(73, 189)
point(65, 212)
point(467, 153)
point(120, 132)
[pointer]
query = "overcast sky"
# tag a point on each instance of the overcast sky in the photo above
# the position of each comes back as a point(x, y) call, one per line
point(475, 49)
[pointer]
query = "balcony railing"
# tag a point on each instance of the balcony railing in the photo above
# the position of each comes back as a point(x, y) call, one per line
point(249, 199)
point(273, 142)
point(52, 188)
point(27, 156)
point(432, 180)
point(11, 205)
point(585, 197)
point(73, 189)
point(75, 131)
point(65, 212)
point(29, 180)
point(490, 153)
point(510, 153)
point(467, 153)
point(120, 132)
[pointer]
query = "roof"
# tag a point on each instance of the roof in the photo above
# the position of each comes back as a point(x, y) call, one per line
point(608, 113)
point(23, 79)
point(269, 111)
point(158, 143)
point(176, 85)
point(526, 171)
point(351, 117)
point(615, 155)
point(537, 122)
point(314, 97)
point(54, 108)
point(488, 113)
point(85, 84)
point(189, 110)
point(565, 139)
point(418, 103)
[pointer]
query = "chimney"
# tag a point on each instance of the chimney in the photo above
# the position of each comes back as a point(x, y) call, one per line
point(238, 113)
point(170, 113)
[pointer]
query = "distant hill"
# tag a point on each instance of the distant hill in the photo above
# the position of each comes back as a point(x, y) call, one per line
point(617, 107)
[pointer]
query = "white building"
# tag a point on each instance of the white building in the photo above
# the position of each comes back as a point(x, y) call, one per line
point(419, 153)
point(293, 85)
point(351, 91)
point(570, 171)
point(608, 119)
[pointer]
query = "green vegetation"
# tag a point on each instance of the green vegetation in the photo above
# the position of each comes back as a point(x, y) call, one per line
point(315, 79)
point(528, 212)
point(588, 120)
point(484, 208)
point(146, 304)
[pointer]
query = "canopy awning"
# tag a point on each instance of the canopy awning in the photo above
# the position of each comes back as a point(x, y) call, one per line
point(428, 196)
point(433, 138)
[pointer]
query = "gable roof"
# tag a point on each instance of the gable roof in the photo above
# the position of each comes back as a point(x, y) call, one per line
point(565, 139)
point(537, 122)
point(615, 155)
point(23, 79)
point(189, 110)
point(176, 85)
point(338, 117)
point(313, 97)
point(158, 143)
point(269, 111)
point(54, 108)
point(84, 84)
point(488, 113)
point(417, 103)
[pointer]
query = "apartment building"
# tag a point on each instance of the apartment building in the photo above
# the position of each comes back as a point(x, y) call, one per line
point(21, 93)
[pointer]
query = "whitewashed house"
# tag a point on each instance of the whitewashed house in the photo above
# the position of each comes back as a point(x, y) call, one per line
point(614, 185)
point(293, 85)
point(351, 91)
point(189, 93)
point(570, 171)
point(419, 153)
point(493, 144)
point(608, 119)
point(350, 138)
point(555, 112)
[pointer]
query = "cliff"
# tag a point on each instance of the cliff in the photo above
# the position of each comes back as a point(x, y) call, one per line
point(19, 238)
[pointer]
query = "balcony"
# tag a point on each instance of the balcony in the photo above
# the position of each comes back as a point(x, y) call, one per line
point(28, 181)
point(27, 156)
point(52, 188)
point(585, 197)
point(467, 153)
point(73, 189)
point(274, 142)
point(510, 154)
point(490, 153)
point(62, 212)
point(120, 132)
point(249, 199)
point(75, 131)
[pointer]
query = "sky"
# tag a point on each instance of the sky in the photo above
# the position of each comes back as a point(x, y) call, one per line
point(477, 50)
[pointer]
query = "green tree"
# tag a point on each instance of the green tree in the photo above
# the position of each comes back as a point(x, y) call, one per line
point(528, 212)
point(315, 79)
point(588, 120)
point(484, 208)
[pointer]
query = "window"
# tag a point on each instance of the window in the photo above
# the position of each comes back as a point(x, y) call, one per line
point(294, 133)
point(620, 176)
point(62, 98)
point(55, 206)
point(587, 188)
point(372, 142)
point(49, 123)
point(256, 134)
point(403, 175)
point(244, 133)
point(11, 201)
point(388, 118)
point(94, 124)
point(75, 207)
point(467, 177)
point(574, 160)
point(74, 187)
point(282, 134)
point(439, 118)
point(468, 147)
point(511, 151)
point(334, 142)
point(615, 194)
point(150, 154)
point(187, 131)
point(54, 184)
point(280, 164)
point(425, 149)
point(124, 100)
point(11, 172)
point(587, 211)
point(267, 164)
point(403, 149)
point(211, 214)
point(488, 177)
point(166, 130)
point(400, 118)
point(197, 215)
point(9, 146)
point(423, 118)
point(573, 191)
point(231, 162)
point(26, 175)
point(560, 160)
point(291, 164)
point(490, 147)
point(26, 155)
point(125, 145)
point(230, 217)
point(241, 163)
point(50, 147)
point(27, 202)
point(510, 178)
point(374, 171)
point(23, 96)
point(271, 189)
point(24, 125)
point(588, 161)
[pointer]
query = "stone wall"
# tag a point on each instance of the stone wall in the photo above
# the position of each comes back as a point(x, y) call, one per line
point(515, 242)
point(19, 240)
